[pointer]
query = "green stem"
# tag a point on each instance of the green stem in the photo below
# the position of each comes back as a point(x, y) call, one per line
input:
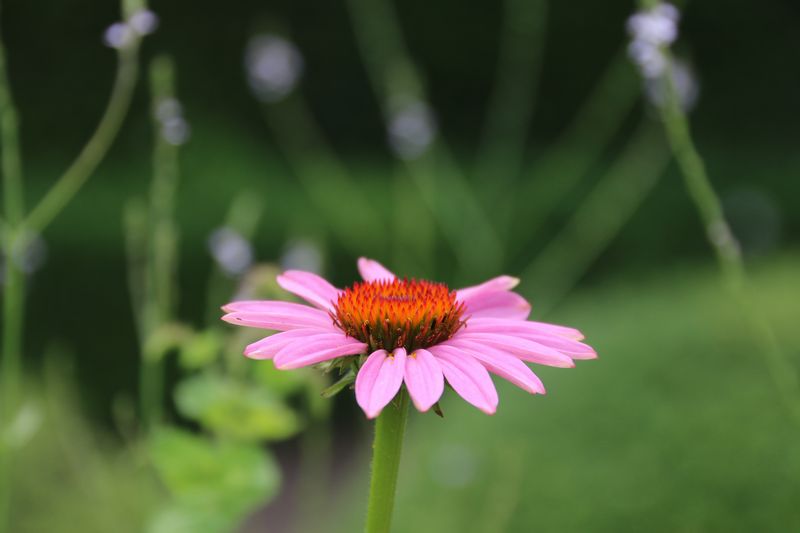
point(58, 196)
point(503, 142)
point(158, 293)
point(592, 226)
point(724, 243)
point(386, 448)
point(14, 282)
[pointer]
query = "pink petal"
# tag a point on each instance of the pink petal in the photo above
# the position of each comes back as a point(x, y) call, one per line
point(371, 270)
point(300, 347)
point(379, 379)
point(504, 365)
point(424, 379)
point(310, 287)
point(275, 315)
point(278, 309)
point(468, 378)
point(522, 348)
point(500, 283)
point(497, 304)
point(500, 325)
point(267, 347)
point(572, 348)
point(296, 357)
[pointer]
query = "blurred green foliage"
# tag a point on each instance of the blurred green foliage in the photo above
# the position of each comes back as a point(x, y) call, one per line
point(675, 428)
point(213, 484)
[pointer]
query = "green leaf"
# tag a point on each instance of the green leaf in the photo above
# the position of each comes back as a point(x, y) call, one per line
point(345, 381)
point(214, 485)
point(178, 518)
point(280, 382)
point(236, 410)
point(201, 350)
point(164, 339)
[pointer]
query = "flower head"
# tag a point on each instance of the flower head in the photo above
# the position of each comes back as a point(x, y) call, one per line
point(415, 333)
point(652, 30)
point(274, 66)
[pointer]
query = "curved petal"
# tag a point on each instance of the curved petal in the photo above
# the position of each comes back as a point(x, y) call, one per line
point(522, 348)
point(312, 288)
point(504, 365)
point(298, 348)
point(297, 357)
point(500, 325)
point(379, 379)
point(424, 379)
point(500, 283)
point(371, 270)
point(468, 378)
point(275, 315)
point(267, 347)
point(573, 348)
point(497, 304)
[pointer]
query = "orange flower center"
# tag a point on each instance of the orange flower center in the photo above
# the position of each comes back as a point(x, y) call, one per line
point(398, 313)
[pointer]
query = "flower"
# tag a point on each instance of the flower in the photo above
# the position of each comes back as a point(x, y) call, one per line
point(274, 66)
point(652, 30)
point(413, 332)
point(123, 34)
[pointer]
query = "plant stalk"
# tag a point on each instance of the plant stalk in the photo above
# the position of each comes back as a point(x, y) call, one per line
point(386, 448)
point(724, 243)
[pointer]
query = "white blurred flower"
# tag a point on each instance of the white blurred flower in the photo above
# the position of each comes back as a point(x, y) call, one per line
point(143, 22)
point(174, 128)
point(232, 252)
point(651, 31)
point(29, 254)
point(119, 35)
point(125, 33)
point(175, 131)
point(273, 66)
point(658, 26)
point(302, 255)
point(411, 130)
point(686, 86)
point(649, 58)
point(168, 108)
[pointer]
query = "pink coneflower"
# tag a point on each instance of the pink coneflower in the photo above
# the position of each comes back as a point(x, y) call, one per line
point(417, 332)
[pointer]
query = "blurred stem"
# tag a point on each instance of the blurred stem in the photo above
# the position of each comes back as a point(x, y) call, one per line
point(13, 205)
point(314, 477)
point(386, 448)
point(243, 217)
point(323, 176)
point(160, 262)
point(579, 147)
point(60, 194)
point(14, 281)
point(625, 185)
point(396, 83)
point(513, 97)
point(722, 240)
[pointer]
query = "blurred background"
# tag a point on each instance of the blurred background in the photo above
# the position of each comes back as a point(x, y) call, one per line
point(452, 141)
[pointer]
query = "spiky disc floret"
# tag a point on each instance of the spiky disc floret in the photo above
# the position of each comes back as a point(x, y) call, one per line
point(389, 314)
